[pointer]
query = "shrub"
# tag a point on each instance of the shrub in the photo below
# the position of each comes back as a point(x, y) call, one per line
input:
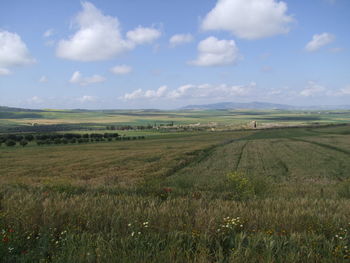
point(240, 186)
point(10, 143)
point(23, 143)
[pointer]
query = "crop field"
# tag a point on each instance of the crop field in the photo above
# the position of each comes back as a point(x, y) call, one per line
point(16, 118)
point(270, 195)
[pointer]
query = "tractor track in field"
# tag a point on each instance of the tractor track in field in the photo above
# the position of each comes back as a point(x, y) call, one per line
point(240, 155)
point(324, 145)
point(203, 154)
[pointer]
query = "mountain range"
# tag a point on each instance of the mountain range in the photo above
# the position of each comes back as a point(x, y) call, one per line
point(256, 105)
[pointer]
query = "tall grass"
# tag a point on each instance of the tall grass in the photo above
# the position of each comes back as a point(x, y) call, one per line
point(212, 197)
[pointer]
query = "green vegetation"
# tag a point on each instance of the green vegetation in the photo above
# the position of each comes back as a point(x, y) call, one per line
point(269, 195)
point(19, 120)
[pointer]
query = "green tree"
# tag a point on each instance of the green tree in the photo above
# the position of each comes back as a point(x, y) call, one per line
point(23, 143)
point(10, 143)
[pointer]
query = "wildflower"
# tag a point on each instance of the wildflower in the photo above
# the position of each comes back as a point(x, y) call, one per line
point(132, 234)
point(10, 249)
point(167, 189)
point(129, 225)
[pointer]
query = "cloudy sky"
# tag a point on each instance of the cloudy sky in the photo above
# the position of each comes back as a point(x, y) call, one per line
point(167, 54)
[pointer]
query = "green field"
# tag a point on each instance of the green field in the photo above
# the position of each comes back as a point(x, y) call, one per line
point(220, 119)
point(264, 195)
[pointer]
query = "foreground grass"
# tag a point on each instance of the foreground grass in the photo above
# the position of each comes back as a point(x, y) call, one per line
point(170, 199)
point(91, 227)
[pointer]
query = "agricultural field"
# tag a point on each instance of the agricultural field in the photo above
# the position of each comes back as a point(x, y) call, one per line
point(269, 195)
point(12, 119)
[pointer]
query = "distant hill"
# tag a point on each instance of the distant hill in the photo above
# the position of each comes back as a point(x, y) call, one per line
point(236, 105)
point(11, 109)
point(255, 105)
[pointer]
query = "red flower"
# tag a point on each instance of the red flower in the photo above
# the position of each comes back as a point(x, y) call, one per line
point(11, 230)
point(5, 239)
point(167, 190)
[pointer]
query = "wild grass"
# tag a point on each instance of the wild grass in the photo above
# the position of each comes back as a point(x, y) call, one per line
point(258, 196)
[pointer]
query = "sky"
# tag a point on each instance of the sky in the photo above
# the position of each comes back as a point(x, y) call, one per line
point(136, 54)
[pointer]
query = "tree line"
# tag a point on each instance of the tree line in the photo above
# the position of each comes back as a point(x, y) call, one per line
point(65, 138)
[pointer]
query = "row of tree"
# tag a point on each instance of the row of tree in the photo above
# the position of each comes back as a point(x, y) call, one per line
point(53, 136)
point(46, 139)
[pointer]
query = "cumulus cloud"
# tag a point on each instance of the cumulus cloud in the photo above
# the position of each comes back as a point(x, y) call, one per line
point(13, 52)
point(319, 41)
point(121, 69)
point(312, 89)
point(180, 39)
point(189, 91)
point(4, 71)
point(77, 78)
point(214, 52)
point(148, 94)
point(99, 37)
point(143, 35)
point(43, 79)
point(249, 19)
point(87, 98)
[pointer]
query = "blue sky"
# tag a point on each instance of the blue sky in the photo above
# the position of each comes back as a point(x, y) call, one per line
point(167, 54)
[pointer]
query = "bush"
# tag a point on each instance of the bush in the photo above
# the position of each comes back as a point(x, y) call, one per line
point(29, 137)
point(23, 143)
point(10, 143)
point(241, 187)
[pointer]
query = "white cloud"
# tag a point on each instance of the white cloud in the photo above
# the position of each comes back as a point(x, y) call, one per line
point(99, 37)
point(180, 39)
point(87, 98)
point(77, 78)
point(214, 52)
point(143, 35)
point(48, 33)
point(13, 51)
point(159, 93)
point(148, 94)
point(43, 79)
point(312, 89)
point(249, 19)
point(4, 71)
point(319, 41)
point(345, 91)
point(121, 69)
point(35, 100)
point(189, 91)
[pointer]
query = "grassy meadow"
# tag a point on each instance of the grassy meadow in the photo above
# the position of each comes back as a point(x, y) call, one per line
point(245, 195)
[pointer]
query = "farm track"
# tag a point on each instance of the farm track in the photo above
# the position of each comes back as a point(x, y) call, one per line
point(202, 155)
point(331, 147)
point(240, 155)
